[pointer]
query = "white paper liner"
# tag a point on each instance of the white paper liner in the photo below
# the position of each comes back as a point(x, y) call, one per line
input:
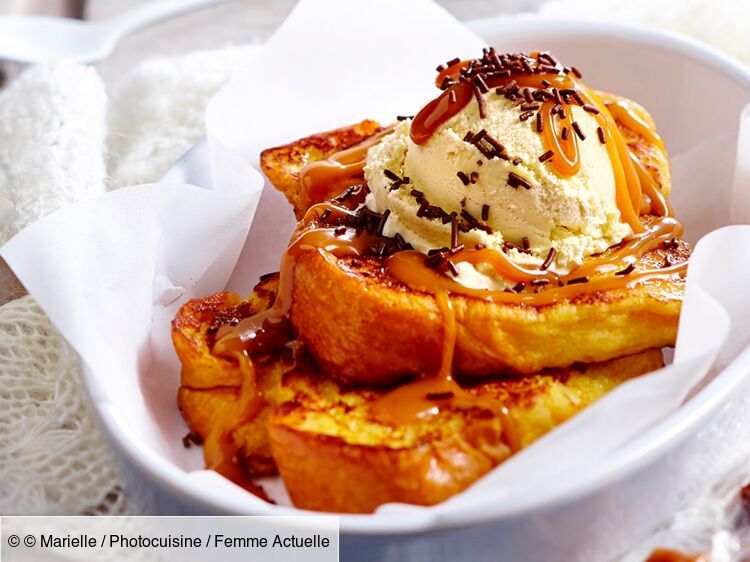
point(112, 271)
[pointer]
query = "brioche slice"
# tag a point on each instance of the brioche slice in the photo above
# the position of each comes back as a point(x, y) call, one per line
point(362, 326)
point(333, 454)
point(283, 164)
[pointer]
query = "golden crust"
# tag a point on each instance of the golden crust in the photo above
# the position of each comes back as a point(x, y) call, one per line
point(365, 328)
point(283, 164)
point(334, 457)
point(330, 451)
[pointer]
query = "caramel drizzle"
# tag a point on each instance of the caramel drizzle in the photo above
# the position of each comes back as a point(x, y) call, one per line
point(426, 396)
point(566, 154)
point(321, 180)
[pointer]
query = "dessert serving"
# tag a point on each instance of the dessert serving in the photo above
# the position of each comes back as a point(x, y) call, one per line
point(459, 283)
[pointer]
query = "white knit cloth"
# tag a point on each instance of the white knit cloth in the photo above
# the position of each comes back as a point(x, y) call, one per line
point(52, 151)
point(52, 460)
point(52, 127)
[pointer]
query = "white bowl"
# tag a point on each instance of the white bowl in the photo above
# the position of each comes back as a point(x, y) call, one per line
point(609, 505)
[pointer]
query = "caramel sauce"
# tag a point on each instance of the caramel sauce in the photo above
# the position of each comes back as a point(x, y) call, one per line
point(220, 450)
point(321, 179)
point(637, 193)
point(409, 268)
point(630, 116)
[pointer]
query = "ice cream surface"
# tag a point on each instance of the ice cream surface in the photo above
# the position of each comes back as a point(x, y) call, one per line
point(576, 215)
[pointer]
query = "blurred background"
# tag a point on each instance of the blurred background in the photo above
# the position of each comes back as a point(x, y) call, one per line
point(241, 21)
point(230, 22)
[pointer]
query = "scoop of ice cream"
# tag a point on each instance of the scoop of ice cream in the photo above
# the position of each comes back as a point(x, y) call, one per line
point(576, 215)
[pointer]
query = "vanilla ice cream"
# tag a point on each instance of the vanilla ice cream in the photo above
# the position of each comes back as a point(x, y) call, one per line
point(576, 215)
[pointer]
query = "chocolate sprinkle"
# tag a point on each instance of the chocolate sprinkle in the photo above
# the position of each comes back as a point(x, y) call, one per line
point(548, 260)
point(602, 137)
point(480, 102)
point(383, 220)
point(546, 156)
point(514, 180)
point(192, 439)
point(507, 246)
point(627, 270)
point(463, 177)
point(439, 395)
point(579, 132)
point(391, 175)
point(485, 212)
point(452, 267)
point(577, 280)
point(494, 143)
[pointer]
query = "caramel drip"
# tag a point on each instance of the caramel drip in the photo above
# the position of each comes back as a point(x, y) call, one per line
point(321, 180)
point(267, 331)
point(630, 251)
point(427, 396)
point(421, 399)
point(631, 117)
point(409, 268)
point(220, 450)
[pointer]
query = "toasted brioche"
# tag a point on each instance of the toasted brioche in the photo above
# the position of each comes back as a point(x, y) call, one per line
point(334, 457)
point(282, 165)
point(362, 326)
point(333, 454)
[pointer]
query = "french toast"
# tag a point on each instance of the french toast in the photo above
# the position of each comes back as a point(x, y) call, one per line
point(340, 304)
point(320, 436)
point(458, 284)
